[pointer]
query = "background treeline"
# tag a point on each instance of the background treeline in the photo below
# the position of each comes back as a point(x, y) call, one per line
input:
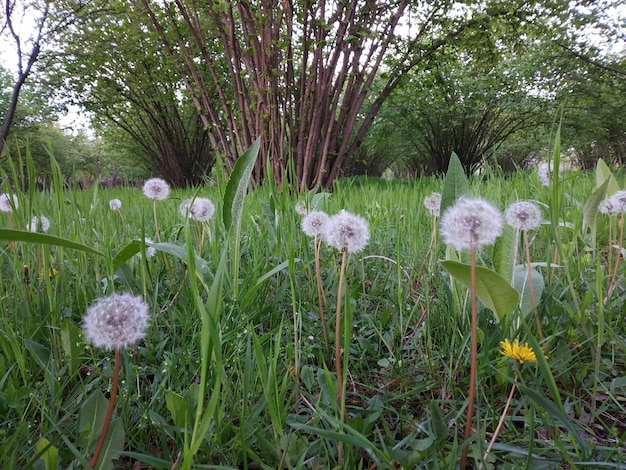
point(334, 88)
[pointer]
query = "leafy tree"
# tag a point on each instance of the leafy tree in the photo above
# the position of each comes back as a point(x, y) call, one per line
point(298, 72)
point(29, 27)
point(136, 89)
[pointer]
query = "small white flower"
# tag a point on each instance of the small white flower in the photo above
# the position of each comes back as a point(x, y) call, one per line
point(115, 204)
point(37, 224)
point(346, 231)
point(471, 222)
point(156, 189)
point(301, 208)
point(314, 222)
point(5, 202)
point(200, 209)
point(117, 321)
point(523, 215)
point(433, 203)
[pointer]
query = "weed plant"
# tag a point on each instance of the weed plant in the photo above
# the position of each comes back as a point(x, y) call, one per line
point(234, 371)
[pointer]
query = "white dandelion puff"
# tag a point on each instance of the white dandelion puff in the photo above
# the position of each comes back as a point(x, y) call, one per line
point(115, 204)
point(5, 202)
point(301, 208)
point(346, 231)
point(314, 222)
point(523, 215)
point(117, 321)
point(39, 224)
point(471, 223)
point(433, 203)
point(606, 207)
point(156, 189)
point(200, 209)
point(618, 201)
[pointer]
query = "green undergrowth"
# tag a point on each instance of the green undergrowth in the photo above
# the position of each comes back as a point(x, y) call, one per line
point(269, 382)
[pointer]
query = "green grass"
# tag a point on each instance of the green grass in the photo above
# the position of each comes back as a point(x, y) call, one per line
point(255, 344)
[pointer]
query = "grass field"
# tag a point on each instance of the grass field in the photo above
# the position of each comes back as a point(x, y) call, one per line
point(234, 370)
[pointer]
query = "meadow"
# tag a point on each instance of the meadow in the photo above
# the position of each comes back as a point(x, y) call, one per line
point(235, 370)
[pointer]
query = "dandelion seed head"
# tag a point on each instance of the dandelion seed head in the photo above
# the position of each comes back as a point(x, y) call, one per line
point(117, 321)
point(115, 204)
point(150, 250)
point(521, 352)
point(606, 207)
point(39, 224)
point(471, 222)
point(346, 231)
point(5, 202)
point(156, 189)
point(523, 215)
point(433, 203)
point(543, 170)
point(618, 201)
point(301, 208)
point(314, 222)
point(200, 209)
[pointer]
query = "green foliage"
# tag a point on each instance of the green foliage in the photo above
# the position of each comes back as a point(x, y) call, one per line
point(233, 371)
point(493, 290)
point(237, 187)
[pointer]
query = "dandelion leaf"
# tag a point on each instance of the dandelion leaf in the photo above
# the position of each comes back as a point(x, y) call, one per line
point(91, 418)
point(603, 173)
point(492, 290)
point(237, 185)
point(44, 239)
point(49, 454)
point(590, 210)
point(455, 184)
point(505, 252)
point(521, 284)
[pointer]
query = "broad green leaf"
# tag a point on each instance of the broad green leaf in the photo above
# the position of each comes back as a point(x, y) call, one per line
point(134, 247)
point(39, 352)
point(521, 284)
point(90, 419)
point(177, 408)
point(126, 253)
point(49, 453)
point(590, 210)
point(113, 445)
point(504, 252)
point(493, 290)
point(455, 184)
point(71, 343)
point(237, 185)
point(182, 407)
point(603, 173)
point(34, 237)
point(318, 201)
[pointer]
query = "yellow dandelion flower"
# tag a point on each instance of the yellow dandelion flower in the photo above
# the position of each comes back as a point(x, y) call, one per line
point(520, 352)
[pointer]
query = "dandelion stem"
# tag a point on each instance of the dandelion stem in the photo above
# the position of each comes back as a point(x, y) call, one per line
point(618, 257)
point(340, 394)
point(158, 234)
point(530, 283)
point(474, 356)
point(341, 399)
point(107, 419)
point(320, 293)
